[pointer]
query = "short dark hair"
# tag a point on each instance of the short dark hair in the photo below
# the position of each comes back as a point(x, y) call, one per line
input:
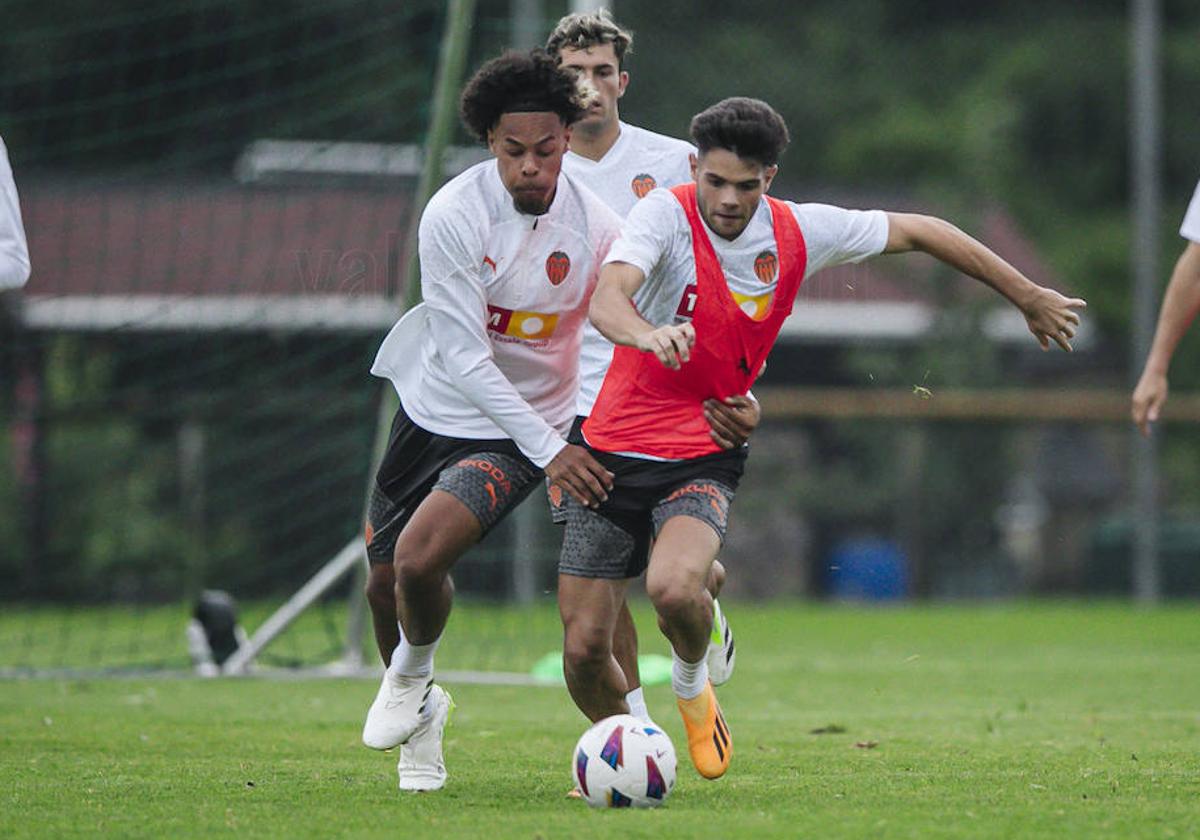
point(580, 31)
point(750, 128)
point(518, 82)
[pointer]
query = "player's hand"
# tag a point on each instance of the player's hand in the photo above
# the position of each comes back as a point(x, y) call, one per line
point(1052, 317)
point(732, 420)
point(1148, 399)
point(672, 344)
point(577, 472)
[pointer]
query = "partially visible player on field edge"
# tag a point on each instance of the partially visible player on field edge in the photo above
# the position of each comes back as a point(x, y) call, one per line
point(487, 371)
point(747, 255)
point(1179, 307)
point(14, 252)
point(622, 163)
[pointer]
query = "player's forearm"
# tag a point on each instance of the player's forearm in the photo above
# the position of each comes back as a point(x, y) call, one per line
point(1179, 307)
point(489, 391)
point(613, 314)
point(950, 245)
point(457, 312)
point(476, 377)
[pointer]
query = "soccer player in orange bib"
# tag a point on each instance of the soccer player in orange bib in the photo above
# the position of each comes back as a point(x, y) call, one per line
point(622, 163)
point(743, 256)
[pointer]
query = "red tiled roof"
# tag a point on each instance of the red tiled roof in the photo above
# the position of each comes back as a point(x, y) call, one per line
point(193, 240)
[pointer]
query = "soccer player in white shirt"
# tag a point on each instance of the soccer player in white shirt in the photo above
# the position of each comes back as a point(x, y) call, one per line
point(743, 257)
point(487, 372)
point(1179, 307)
point(622, 163)
point(14, 253)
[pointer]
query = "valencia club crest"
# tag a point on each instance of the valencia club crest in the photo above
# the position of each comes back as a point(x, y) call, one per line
point(642, 184)
point(558, 265)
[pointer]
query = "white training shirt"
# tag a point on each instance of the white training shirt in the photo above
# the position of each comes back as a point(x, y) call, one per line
point(657, 239)
point(14, 252)
point(1190, 229)
point(506, 297)
point(638, 161)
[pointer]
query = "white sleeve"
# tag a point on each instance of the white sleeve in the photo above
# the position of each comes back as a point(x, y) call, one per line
point(834, 236)
point(451, 253)
point(14, 253)
point(1190, 229)
point(647, 231)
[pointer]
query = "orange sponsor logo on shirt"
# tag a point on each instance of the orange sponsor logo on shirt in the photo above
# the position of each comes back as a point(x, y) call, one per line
point(642, 184)
point(529, 326)
point(558, 265)
point(756, 306)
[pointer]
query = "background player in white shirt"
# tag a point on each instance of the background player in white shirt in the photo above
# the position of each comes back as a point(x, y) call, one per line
point(622, 163)
point(14, 253)
point(1179, 307)
point(487, 373)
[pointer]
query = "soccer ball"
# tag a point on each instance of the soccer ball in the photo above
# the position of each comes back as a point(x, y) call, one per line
point(623, 761)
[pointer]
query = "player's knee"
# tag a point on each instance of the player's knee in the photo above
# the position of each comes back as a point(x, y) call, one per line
point(421, 559)
point(381, 588)
point(586, 648)
point(673, 596)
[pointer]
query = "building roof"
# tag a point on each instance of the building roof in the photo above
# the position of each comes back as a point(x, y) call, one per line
point(224, 255)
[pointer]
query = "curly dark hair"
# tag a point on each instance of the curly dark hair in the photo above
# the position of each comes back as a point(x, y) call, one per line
point(750, 128)
point(518, 82)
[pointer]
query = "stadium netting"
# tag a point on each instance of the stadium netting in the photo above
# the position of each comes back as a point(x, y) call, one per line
point(216, 197)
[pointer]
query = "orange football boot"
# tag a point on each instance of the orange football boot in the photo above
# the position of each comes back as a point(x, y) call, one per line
point(709, 742)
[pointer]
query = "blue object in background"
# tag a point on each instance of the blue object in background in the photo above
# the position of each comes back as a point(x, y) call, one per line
point(867, 569)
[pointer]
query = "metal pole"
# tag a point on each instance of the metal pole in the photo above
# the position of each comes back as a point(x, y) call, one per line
point(1145, 169)
point(525, 24)
point(452, 60)
point(582, 7)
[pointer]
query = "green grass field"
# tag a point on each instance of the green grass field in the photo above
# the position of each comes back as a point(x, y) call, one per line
point(986, 721)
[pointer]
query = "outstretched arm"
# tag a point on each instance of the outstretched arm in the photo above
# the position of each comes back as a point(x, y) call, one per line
point(1179, 307)
point(1050, 316)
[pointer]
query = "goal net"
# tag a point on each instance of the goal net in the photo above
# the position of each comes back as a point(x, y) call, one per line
point(216, 197)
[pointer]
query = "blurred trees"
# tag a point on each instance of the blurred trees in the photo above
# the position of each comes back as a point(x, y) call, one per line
point(962, 106)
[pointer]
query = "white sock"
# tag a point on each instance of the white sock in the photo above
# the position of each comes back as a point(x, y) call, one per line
point(409, 660)
point(637, 705)
point(688, 678)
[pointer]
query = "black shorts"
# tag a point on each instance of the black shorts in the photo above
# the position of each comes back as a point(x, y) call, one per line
point(613, 541)
point(490, 477)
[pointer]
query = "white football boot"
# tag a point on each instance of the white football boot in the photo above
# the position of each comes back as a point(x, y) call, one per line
point(397, 711)
point(721, 652)
point(421, 764)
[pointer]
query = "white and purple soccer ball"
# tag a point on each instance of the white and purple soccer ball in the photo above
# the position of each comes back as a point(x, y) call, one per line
point(623, 762)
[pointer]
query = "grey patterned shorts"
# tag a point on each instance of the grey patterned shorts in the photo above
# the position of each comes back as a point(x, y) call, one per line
point(489, 477)
point(612, 543)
